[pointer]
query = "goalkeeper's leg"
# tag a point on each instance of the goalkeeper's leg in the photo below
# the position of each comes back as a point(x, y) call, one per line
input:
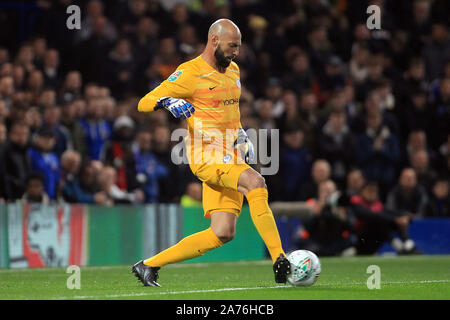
point(190, 247)
point(222, 230)
point(253, 186)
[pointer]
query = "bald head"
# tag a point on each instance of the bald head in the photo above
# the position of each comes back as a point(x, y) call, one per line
point(222, 27)
point(224, 41)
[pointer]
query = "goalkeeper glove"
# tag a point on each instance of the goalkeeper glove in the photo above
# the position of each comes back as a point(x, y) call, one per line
point(179, 108)
point(244, 144)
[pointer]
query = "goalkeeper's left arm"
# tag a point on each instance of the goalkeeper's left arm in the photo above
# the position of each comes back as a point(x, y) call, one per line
point(245, 146)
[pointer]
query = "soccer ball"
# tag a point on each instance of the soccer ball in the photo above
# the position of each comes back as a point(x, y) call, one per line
point(305, 268)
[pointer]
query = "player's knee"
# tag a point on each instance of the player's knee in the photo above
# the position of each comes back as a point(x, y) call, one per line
point(257, 181)
point(225, 235)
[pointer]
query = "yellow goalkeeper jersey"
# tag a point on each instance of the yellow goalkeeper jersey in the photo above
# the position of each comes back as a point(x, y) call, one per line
point(215, 97)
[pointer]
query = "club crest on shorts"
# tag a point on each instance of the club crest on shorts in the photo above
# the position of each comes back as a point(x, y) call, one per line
point(226, 158)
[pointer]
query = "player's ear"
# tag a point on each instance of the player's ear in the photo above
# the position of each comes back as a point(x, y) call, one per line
point(215, 40)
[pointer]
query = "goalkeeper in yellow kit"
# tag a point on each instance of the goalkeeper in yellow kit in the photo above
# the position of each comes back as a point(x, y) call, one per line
point(206, 92)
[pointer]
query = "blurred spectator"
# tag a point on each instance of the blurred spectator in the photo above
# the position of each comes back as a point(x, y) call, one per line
point(47, 98)
point(130, 14)
point(413, 82)
point(388, 102)
point(439, 203)
point(265, 114)
point(168, 57)
point(3, 134)
point(72, 191)
point(69, 123)
point(35, 85)
point(331, 78)
point(16, 161)
point(4, 112)
point(408, 196)
point(161, 147)
point(151, 77)
point(441, 110)
point(291, 113)
point(107, 181)
point(417, 141)
point(7, 90)
point(358, 63)
point(299, 76)
point(378, 152)
point(52, 120)
point(50, 68)
point(118, 153)
point(119, 69)
point(419, 24)
point(336, 145)
point(149, 169)
point(33, 118)
point(40, 47)
point(336, 102)
point(144, 42)
point(420, 162)
point(309, 114)
point(295, 164)
point(373, 105)
point(4, 55)
point(45, 161)
point(321, 171)
point(354, 182)
point(188, 42)
point(96, 130)
point(34, 192)
point(108, 106)
point(95, 10)
point(444, 153)
point(375, 225)
point(328, 233)
point(273, 92)
point(94, 49)
point(25, 57)
point(193, 195)
point(72, 84)
point(88, 178)
point(436, 50)
point(320, 51)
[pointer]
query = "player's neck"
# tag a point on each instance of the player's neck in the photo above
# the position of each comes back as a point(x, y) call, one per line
point(211, 60)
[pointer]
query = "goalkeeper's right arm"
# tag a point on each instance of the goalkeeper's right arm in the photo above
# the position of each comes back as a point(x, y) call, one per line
point(149, 102)
point(180, 85)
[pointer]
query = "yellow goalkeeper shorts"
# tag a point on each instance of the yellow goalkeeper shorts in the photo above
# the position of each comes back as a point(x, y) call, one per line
point(220, 183)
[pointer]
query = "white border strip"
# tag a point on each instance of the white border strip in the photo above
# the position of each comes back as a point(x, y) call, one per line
point(143, 294)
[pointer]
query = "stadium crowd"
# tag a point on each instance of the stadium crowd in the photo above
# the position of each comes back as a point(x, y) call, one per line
point(365, 113)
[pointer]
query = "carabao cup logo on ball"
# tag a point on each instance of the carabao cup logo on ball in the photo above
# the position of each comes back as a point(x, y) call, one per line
point(302, 270)
point(174, 76)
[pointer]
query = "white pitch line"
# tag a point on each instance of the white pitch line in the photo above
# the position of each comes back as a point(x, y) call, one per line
point(141, 294)
point(168, 293)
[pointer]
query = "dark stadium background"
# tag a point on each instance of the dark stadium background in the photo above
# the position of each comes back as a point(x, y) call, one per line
point(311, 69)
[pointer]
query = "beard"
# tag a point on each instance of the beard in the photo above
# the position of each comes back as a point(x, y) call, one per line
point(222, 61)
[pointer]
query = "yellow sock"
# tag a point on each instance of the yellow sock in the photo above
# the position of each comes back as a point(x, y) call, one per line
point(264, 221)
point(190, 247)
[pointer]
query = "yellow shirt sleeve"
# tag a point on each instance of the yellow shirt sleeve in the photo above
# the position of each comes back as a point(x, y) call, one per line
point(181, 84)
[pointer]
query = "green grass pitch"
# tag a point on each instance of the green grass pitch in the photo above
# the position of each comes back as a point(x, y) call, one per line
point(405, 277)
